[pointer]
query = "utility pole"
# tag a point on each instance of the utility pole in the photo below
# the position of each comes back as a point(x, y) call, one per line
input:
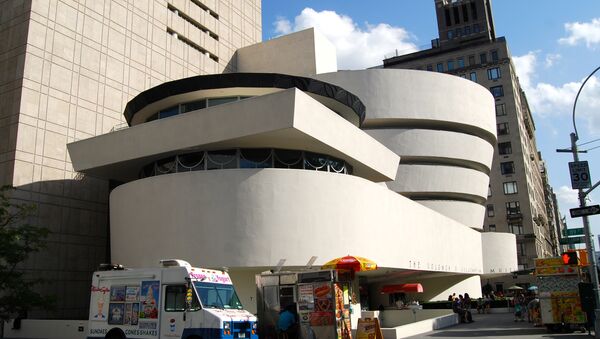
point(589, 242)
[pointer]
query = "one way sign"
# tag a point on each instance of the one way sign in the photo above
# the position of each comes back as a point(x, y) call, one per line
point(583, 211)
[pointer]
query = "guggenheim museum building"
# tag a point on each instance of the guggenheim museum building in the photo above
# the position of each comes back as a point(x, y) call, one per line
point(289, 158)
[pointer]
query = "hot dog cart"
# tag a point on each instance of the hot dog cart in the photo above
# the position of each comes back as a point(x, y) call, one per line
point(322, 300)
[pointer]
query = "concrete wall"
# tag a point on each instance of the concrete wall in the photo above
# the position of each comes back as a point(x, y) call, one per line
point(428, 119)
point(218, 218)
point(303, 53)
point(499, 253)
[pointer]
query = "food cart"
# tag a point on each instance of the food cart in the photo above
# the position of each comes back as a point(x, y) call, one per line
point(322, 300)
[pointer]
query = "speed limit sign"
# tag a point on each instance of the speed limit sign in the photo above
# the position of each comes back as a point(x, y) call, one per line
point(580, 174)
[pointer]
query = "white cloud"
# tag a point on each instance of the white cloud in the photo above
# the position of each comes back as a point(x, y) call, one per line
point(567, 197)
point(588, 32)
point(551, 59)
point(550, 100)
point(357, 47)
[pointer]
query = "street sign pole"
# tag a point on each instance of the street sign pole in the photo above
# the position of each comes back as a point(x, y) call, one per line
point(589, 244)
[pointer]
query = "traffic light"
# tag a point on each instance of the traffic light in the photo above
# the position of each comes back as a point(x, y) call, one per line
point(570, 258)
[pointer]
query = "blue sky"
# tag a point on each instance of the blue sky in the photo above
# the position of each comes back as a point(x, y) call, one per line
point(555, 45)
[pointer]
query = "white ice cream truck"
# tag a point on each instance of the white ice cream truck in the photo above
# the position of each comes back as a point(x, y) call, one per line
point(172, 301)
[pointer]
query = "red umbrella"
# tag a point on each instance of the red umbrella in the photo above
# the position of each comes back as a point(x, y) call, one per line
point(351, 263)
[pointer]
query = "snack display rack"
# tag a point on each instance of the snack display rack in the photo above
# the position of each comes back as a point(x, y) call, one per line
point(322, 300)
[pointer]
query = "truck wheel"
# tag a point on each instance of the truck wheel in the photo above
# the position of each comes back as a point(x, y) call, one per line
point(115, 333)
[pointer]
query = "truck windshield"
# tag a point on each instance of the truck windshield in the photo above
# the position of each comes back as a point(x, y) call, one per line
point(217, 295)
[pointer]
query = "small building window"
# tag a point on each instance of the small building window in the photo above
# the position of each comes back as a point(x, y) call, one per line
point(490, 210)
point(456, 15)
point(504, 148)
point(502, 128)
point(513, 208)
point(493, 73)
point(465, 12)
point(450, 34)
point(467, 30)
point(458, 32)
point(460, 62)
point(497, 91)
point(473, 76)
point(474, 10)
point(510, 187)
point(489, 190)
point(476, 28)
point(492, 228)
point(507, 167)
point(483, 58)
point(515, 228)
point(440, 67)
point(471, 60)
point(494, 55)
point(450, 65)
point(429, 67)
point(500, 110)
point(447, 17)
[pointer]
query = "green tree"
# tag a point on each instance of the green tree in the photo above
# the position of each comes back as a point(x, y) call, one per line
point(18, 239)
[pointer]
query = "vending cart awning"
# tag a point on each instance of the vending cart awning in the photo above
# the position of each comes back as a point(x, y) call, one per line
point(402, 288)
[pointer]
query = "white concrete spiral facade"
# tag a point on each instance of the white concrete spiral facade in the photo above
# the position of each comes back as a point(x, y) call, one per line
point(443, 128)
point(243, 218)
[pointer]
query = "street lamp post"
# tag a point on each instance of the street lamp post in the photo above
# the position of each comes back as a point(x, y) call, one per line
point(589, 243)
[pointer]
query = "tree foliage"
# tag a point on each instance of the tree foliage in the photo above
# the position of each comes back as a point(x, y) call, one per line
point(18, 239)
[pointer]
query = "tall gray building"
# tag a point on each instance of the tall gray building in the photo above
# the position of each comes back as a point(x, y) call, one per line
point(67, 69)
point(468, 47)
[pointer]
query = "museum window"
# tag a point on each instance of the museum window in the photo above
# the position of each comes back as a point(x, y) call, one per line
point(497, 91)
point(504, 148)
point(515, 228)
point(467, 30)
point(450, 65)
point(492, 228)
point(510, 187)
point(450, 34)
point(476, 28)
point(471, 60)
point(507, 167)
point(465, 13)
point(500, 110)
point(460, 62)
point(513, 208)
point(502, 128)
point(458, 32)
point(489, 190)
point(493, 73)
point(440, 67)
point(490, 210)
point(473, 76)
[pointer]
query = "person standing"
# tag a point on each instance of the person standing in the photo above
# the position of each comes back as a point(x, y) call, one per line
point(286, 324)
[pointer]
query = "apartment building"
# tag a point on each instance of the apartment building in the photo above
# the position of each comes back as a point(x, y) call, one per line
point(517, 198)
point(67, 70)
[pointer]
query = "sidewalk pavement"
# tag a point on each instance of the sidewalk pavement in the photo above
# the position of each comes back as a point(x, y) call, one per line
point(498, 325)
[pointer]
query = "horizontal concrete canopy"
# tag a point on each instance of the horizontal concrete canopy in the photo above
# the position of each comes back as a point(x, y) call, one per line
point(288, 119)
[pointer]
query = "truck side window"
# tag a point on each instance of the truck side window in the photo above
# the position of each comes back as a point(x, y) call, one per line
point(175, 298)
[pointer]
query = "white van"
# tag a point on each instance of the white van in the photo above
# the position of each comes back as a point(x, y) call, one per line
point(173, 301)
